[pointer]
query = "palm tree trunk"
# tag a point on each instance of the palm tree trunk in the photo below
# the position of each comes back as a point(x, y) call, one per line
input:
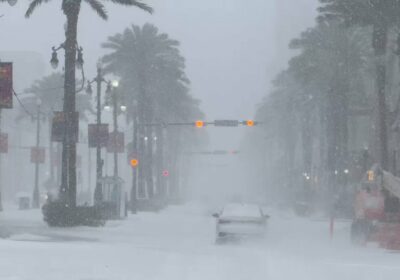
point(134, 170)
point(160, 163)
point(149, 162)
point(69, 145)
point(141, 146)
point(51, 158)
point(380, 31)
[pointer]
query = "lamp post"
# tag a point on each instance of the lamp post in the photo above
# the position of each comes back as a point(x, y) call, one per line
point(73, 58)
point(36, 198)
point(116, 108)
point(99, 79)
point(115, 85)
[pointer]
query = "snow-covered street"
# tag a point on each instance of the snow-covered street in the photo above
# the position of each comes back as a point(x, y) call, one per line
point(178, 243)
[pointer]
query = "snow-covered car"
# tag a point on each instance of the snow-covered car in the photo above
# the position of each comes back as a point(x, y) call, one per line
point(240, 220)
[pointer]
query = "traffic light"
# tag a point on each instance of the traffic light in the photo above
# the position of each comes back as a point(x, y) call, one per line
point(134, 162)
point(371, 175)
point(165, 173)
point(199, 124)
point(250, 123)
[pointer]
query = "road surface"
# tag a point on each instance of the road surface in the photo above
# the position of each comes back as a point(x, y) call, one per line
point(178, 244)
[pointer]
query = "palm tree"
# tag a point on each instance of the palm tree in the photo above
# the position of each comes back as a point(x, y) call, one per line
point(71, 10)
point(313, 103)
point(381, 15)
point(152, 72)
point(50, 91)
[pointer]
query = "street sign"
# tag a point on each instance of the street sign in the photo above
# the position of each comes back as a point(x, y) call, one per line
point(38, 155)
point(220, 152)
point(98, 135)
point(216, 152)
point(116, 142)
point(6, 85)
point(3, 143)
point(231, 123)
point(58, 127)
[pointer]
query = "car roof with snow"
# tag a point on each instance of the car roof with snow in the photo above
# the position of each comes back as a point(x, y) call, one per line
point(241, 210)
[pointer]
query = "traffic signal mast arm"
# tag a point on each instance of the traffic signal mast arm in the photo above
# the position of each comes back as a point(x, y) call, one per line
point(200, 123)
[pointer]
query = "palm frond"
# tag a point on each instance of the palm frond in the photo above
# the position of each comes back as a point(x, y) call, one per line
point(135, 3)
point(33, 5)
point(98, 7)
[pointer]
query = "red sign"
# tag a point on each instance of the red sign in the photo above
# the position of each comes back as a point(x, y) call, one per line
point(116, 142)
point(98, 135)
point(3, 143)
point(165, 173)
point(38, 155)
point(58, 127)
point(6, 85)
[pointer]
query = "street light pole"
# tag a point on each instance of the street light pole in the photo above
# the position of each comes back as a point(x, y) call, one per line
point(99, 162)
point(36, 202)
point(115, 115)
point(99, 79)
point(134, 170)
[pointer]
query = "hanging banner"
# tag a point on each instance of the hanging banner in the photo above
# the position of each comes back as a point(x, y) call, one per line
point(38, 155)
point(98, 135)
point(6, 85)
point(58, 127)
point(3, 143)
point(116, 142)
point(56, 159)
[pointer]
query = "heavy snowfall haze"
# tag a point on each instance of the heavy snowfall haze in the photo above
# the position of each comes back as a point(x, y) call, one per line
point(232, 49)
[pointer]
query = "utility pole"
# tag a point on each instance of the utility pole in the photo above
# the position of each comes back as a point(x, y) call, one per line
point(36, 198)
point(115, 126)
point(134, 169)
point(99, 79)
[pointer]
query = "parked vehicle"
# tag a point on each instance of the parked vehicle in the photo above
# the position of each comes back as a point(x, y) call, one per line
point(377, 210)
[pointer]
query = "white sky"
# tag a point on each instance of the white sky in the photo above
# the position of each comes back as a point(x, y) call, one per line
point(233, 47)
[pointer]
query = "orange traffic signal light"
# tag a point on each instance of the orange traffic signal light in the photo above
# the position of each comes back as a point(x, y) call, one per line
point(199, 124)
point(250, 123)
point(134, 162)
